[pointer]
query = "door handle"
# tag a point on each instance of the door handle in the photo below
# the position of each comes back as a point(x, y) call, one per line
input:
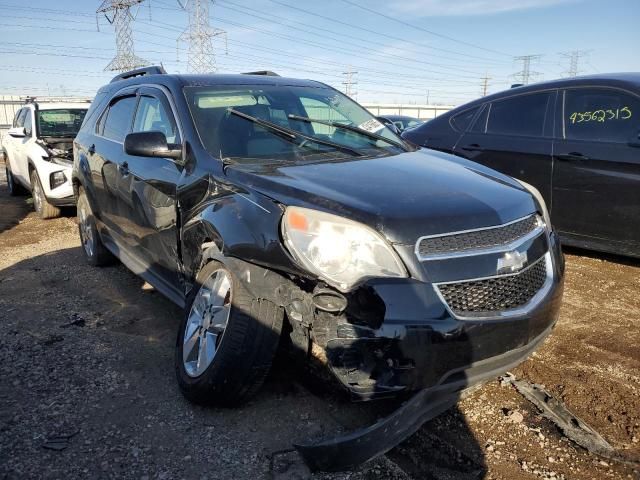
point(91, 149)
point(474, 147)
point(572, 156)
point(124, 168)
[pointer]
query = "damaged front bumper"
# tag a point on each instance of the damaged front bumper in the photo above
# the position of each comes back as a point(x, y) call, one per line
point(400, 338)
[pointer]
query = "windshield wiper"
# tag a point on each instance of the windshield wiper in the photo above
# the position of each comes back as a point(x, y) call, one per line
point(351, 128)
point(292, 135)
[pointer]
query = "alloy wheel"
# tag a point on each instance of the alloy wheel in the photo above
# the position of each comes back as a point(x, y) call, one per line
point(207, 322)
point(86, 231)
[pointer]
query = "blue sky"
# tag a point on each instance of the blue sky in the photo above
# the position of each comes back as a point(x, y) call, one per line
point(438, 48)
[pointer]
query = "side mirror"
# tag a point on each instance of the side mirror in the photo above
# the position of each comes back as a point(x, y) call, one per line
point(150, 144)
point(17, 132)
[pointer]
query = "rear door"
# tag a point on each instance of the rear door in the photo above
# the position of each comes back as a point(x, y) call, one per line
point(596, 181)
point(150, 184)
point(106, 157)
point(513, 136)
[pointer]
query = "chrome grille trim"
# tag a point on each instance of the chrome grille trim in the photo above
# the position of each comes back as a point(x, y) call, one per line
point(497, 314)
point(533, 221)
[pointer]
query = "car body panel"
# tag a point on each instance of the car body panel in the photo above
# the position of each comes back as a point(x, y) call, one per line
point(592, 199)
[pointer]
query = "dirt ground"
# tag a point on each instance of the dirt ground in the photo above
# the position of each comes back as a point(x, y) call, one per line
point(87, 387)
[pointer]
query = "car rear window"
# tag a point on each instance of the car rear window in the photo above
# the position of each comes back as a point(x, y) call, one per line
point(522, 115)
point(462, 120)
point(119, 118)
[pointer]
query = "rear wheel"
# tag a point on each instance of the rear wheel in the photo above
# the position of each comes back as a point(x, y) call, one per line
point(94, 250)
point(227, 340)
point(40, 202)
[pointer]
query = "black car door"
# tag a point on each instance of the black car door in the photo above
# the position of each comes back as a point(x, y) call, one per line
point(596, 179)
point(513, 136)
point(150, 184)
point(106, 156)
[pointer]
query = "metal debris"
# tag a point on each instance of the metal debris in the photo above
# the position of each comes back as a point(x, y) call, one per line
point(59, 442)
point(571, 426)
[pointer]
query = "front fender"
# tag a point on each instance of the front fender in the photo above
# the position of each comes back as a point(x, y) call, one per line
point(244, 225)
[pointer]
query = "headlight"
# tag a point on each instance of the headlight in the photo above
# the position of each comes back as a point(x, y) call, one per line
point(538, 196)
point(338, 250)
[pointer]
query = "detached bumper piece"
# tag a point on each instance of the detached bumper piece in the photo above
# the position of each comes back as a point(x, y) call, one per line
point(347, 451)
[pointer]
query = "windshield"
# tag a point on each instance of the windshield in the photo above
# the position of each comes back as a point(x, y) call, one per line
point(225, 117)
point(63, 122)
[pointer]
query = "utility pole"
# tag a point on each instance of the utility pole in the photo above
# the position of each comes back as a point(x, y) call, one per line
point(199, 34)
point(349, 82)
point(427, 97)
point(574, 58)
point(524, 75)
point(485, 84)
point(118, 14)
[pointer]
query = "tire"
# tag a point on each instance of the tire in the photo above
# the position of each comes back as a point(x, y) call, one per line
point(94, 250)
point(243, 348)
point(40, 202)
point(15, 189)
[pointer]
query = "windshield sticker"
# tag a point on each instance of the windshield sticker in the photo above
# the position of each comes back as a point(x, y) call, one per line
point(601, 116)
point(372, 126)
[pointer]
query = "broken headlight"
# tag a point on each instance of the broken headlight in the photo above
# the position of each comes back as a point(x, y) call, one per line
point(340, 251)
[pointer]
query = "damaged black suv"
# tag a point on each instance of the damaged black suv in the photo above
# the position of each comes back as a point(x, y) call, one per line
point(275, 209)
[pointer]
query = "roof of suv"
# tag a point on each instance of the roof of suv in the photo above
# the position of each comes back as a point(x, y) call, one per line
point(183, 80)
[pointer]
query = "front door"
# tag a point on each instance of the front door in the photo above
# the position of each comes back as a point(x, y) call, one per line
point(150, 184)
point(596, 180)
point(513, 136)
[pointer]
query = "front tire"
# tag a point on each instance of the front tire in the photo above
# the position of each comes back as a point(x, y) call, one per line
point(94, 250)
point(226, 341)
point(40, 202)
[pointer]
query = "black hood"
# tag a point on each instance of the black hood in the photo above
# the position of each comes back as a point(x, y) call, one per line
point(403, 196)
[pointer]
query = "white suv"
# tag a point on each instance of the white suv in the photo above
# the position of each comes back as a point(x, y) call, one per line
point(38, 152)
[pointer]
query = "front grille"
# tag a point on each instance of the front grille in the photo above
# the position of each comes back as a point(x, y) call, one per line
point(457, 243)
point(497, 294)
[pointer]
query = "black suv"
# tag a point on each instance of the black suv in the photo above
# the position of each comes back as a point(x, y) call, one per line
point(577, 140)
point(279, 209)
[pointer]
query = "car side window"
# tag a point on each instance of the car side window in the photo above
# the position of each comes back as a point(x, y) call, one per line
point(601, 115)
point(28, 123)
point(20, 117)
point(522, 115)
point(462, 120)
point(153, 116)
point(118, 119)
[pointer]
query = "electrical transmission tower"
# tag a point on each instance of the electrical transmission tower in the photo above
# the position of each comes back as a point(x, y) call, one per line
point(118, 13)
point(349, 82)
point(574, 59)
point(525, 75)
point(199, 35)
point(485, 84)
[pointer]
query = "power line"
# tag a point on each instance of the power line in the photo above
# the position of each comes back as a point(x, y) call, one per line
point(525, 75)
point(118, 13)
point(422, 29)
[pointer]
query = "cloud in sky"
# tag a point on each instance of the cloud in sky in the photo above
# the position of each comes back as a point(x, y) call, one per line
point(435, 8)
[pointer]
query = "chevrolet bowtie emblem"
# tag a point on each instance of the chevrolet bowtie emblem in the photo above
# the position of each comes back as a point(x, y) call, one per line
point(512, 262)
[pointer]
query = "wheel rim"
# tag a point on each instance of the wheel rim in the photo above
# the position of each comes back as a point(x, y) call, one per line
point(86, 232)
point(37, 192)
point(207, 322)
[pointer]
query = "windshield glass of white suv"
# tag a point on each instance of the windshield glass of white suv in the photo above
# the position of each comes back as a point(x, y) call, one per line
point(63, 122)
point(228, 135)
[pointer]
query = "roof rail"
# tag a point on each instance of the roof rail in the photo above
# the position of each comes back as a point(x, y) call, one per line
point(139, 72)
point(516, 85)
point(267, 73)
